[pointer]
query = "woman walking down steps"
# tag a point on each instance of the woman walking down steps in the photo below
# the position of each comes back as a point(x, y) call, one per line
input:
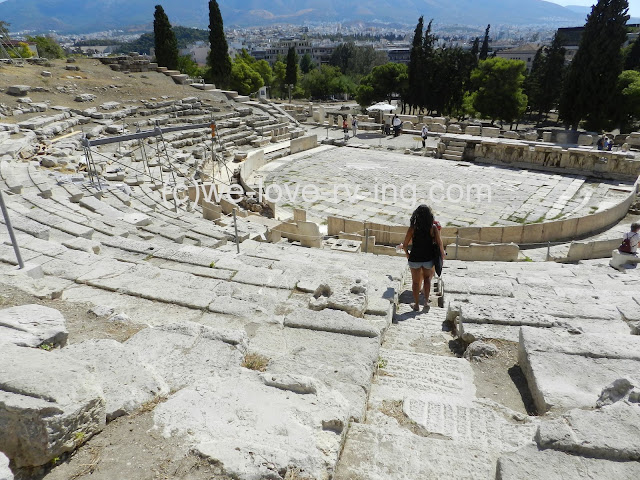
point(426, 244)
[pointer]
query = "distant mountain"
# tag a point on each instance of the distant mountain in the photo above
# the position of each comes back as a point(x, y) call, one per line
point(95, 15)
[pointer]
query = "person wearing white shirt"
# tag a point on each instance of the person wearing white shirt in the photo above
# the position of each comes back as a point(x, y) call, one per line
point(634, 238)
point(425, 132)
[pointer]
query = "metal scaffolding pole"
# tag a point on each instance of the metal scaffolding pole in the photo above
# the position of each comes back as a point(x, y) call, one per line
point(12, 235)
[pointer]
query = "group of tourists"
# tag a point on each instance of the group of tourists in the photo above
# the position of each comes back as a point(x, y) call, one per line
point(604, 143)
point(354, 126)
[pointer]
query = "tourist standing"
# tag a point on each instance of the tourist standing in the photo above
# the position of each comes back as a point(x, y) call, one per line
point(424, 134)
point(354, 125)
point(600, 143)
point(345, 127)
point(608, 144)
point(397, 123)
point(426, 244)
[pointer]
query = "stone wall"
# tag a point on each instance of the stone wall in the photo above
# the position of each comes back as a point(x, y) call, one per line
point(304, 143)
point(618, 165)
point(559, 230)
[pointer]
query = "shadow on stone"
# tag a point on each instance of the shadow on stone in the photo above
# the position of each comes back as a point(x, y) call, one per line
point(520, 382)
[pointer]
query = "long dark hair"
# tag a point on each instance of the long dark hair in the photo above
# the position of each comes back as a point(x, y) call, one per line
point(422, 220)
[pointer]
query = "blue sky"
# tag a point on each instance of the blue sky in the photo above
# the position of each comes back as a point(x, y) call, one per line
point(634, 5)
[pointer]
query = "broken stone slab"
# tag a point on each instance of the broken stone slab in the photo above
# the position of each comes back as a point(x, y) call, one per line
point(331, 321)
point(547, 464)
point(252, 430)
point(185, 353)
point(266, 277)
point(18, 90)
point(376, 453)
point(344, 363)
point(5, 471)
point(32, 326)
point(481, 423)
point(51, 404)
point(610, 433)
point(127, 382)
point(566, 371)
point(85, 97)
point(83, 244)
point(403, 373)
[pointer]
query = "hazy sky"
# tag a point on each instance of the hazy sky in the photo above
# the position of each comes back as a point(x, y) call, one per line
point(634, 5)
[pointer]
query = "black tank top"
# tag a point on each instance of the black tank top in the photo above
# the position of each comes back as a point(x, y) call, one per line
point(422, 247)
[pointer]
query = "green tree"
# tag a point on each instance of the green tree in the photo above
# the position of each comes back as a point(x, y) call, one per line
point(306, 64)
point(47, 47)
point(628, 99)
point(21, 51)
point(291, 77)
point(356, 61)
point(451, 70)
point(543, 85)
point(278, 88)
point(484, 50)
point(499, 94)
point(632, 57)
point(588, 93)
point(218, 58)
point(382, 83)
point(166, 45)
point(415, 97)
point(187, 65)
point(244, 78)
point(475, 49)
point(265, 71)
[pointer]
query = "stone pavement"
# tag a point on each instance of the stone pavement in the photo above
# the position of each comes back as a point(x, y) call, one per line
point(370, 184)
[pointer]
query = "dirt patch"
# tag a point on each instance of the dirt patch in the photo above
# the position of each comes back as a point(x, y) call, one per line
point(81, 324)
point(93, 78)
point(132, 448)
point(499, 378)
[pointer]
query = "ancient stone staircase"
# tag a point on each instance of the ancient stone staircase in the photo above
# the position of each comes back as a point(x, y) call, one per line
point(454, 150)
point(423, 417)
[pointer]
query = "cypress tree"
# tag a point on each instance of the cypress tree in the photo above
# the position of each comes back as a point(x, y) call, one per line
point(632, 60)
point(551, 81)
point(166, 45)
point(415, 67)
point(475, 49)
point(429, 67)
point(218, 58)
point(589, 89)
point(291, 77)
point(533, 82)
point(484, 51)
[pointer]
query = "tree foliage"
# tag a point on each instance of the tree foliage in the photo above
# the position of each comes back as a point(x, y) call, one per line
point(632, 56)
point(47, 47)
point(498, 89)
point(588, 92)
point(166, 45)
point(291, 76)
point(484, 50)
point(22, 51)
point(218, 59)
point(544, 84)
point(248, 75)
point(185, 36)
point(627, 99)
point(306, 64)
point(327, 80)
point(356, 61)
point(382, 83)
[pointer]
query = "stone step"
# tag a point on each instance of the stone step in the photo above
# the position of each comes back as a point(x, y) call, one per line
point(376, 453)
point(448, 156)
point(455, 148)
point(409, 373)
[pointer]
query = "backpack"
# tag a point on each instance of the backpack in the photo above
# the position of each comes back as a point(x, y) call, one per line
point(353, 122)
point(625, 246)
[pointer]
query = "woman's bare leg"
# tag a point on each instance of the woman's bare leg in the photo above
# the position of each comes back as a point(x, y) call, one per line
point(416, 280)
point(427, 275)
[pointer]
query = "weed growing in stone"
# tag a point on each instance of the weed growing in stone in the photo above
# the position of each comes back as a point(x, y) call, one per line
point(46, 346)
point(255, 361)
